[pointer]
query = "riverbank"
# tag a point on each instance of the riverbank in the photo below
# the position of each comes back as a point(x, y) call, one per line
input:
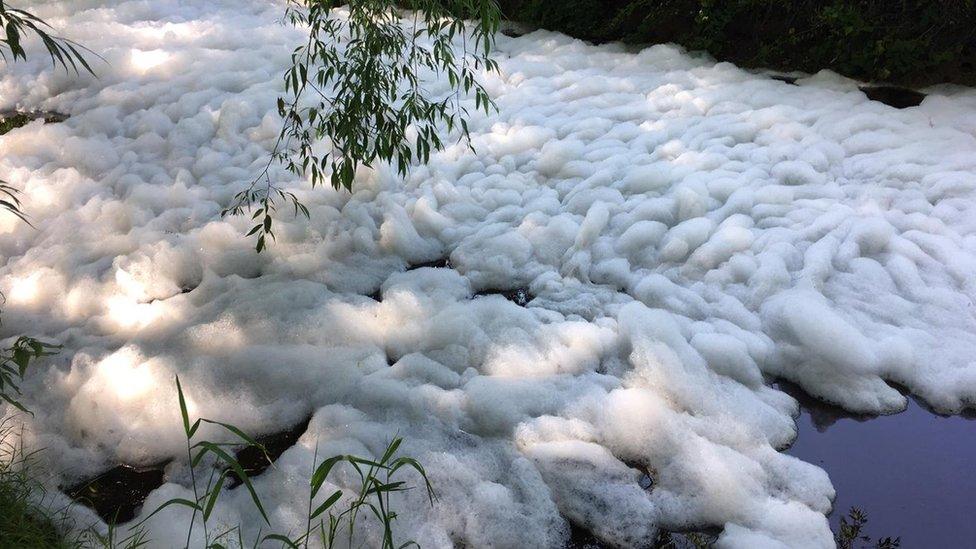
point(913, 43)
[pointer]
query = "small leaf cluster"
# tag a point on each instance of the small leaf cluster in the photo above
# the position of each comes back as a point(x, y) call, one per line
point(24, 520)
point(10, 202)
point(13, 366)
point(361, 86)
point(851, 533)
point(17, 23)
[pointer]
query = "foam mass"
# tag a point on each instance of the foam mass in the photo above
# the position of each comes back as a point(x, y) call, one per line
point(689, 232)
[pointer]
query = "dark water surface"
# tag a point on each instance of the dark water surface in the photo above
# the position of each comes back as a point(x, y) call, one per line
point(913, 473)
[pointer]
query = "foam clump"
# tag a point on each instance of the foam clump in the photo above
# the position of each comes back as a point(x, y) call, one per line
point(690, 232)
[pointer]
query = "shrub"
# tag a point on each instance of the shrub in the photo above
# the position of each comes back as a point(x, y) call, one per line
point(911, 42)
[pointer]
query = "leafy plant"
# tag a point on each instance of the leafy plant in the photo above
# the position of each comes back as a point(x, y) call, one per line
point(16, 24)
point(205, 496)
point(377, 485)
point(361, 83)
point(851, 533)
point(13, 365)
point(324, 522)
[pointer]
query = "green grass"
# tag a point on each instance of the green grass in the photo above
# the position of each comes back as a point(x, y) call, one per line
point(25, 521)
point(24, 524)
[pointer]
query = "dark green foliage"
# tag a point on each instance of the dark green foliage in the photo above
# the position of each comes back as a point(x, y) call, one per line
point(911, 42)
point(8, 194)
point(850, 534)
point(13, 122)
point(15, 25)
point(10, 202)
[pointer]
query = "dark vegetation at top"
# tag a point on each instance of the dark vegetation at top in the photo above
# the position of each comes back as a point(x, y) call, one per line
point(907, 42)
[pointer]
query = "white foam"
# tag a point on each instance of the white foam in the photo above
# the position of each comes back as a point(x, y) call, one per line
point(686, 227)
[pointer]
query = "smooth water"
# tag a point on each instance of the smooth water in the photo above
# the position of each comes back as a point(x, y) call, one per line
point(913, 473)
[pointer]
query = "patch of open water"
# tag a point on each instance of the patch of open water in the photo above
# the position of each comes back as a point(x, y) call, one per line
point(913, 473)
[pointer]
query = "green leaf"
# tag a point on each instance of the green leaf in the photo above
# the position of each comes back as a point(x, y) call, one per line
point(326, 504)
point(239, 433)
point(231, 462)
point(214, 494)
point(21, 359)
point(279, 538)
point(15, 403)
point(322, 472)
point(183, 412)
point(175, 501)
point(415, 465)
point(391, 449)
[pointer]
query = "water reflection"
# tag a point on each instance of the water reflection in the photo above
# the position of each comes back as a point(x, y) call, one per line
point(821, 414)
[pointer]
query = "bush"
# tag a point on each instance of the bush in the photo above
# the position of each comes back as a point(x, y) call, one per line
point(909, 42)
